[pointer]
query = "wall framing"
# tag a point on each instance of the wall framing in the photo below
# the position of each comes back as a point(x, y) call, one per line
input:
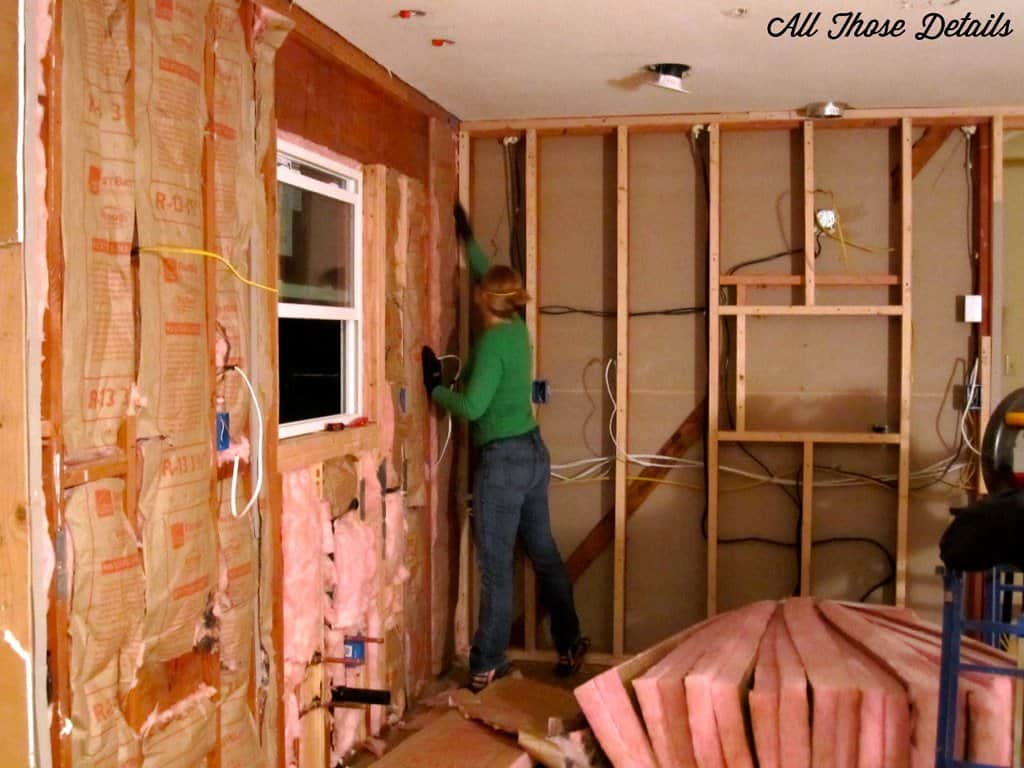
point(902, 123)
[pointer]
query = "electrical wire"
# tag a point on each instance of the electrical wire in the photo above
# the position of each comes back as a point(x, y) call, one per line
point(209, 255)
point(258, 456)
point(448, 437)
point(969, 398)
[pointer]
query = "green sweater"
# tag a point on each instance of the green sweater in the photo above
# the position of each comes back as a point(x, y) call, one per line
point(497, 396)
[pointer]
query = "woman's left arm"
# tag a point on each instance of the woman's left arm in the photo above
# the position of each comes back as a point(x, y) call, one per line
point(483, 383)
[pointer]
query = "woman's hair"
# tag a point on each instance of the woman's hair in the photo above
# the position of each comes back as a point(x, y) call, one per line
point(502, 290)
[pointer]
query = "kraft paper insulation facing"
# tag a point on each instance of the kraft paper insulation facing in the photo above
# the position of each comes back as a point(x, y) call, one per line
point(269, 31)
point(107, 603)
point(186, 579)
point(234, 179)
point(825, 684)
point(97, 224)
point(237, 588)
point(170, 116)
point(405, 323)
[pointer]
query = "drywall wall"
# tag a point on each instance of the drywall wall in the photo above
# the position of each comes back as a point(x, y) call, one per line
point(1012, 366)
point(828, 373)
point(668, 379)
point(577, 238)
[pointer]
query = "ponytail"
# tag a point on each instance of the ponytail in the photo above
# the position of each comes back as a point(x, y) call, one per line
point(502, 290)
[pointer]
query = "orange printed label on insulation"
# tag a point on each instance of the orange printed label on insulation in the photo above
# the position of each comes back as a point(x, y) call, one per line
point(182, 329)
point(184, 463)
point(225, 131)
point(239, 571)
point(175, 67)
point(170, 270)
point(190, 588)
point(113, 247)
point(176, 204)
point(108, 397)
point(101, 182)
point(119, 564)
point(104, 499)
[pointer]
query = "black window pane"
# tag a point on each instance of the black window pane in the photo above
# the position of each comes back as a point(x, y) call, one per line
point(310, 368)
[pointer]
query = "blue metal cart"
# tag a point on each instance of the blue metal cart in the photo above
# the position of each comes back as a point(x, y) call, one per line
point(996, 624)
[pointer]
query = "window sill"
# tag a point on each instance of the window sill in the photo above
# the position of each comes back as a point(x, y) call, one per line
point(305, 450)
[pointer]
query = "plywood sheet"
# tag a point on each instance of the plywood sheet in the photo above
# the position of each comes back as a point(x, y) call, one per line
point(515, 704)
point(455, 742)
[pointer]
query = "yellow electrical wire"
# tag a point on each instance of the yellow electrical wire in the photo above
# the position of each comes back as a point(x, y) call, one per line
point(209, 255)
point(840, 237)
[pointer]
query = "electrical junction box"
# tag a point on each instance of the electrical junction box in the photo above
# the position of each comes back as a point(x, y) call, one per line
point(970, 308)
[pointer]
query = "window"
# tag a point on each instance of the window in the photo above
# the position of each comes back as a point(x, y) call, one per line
point(320, 302)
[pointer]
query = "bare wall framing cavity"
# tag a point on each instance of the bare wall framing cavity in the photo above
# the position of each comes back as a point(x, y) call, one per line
point(828, 370)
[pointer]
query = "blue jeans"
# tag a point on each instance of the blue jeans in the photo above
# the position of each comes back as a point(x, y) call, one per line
point(510, 500)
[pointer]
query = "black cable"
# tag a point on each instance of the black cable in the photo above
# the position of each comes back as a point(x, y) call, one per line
point(764, 259)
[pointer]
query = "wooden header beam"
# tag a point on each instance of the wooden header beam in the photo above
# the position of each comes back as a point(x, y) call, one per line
point(854, 118)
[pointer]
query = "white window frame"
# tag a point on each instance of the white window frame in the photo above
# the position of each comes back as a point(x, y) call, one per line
point(348, 190)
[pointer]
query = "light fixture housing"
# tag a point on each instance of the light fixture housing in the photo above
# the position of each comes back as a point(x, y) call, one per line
point(669, 76)
point(826, 109)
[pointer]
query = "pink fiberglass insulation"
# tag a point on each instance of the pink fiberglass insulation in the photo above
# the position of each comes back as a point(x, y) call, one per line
point(305, 539)
point(395, 571)
point(714, 732)
point(355, 581)
point(833, 685)
point(608, 706)
point(836, 697)
point(989, 702)
point(729, 686)
point(764, 698)
point(662, 695)
point(884, 710)
point(355, 569)
point(920, 678)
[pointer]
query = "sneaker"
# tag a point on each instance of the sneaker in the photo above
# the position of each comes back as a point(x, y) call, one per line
point(480, 680)
point(570, 662)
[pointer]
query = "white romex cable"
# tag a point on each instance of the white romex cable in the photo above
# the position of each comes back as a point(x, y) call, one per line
point(257, 459)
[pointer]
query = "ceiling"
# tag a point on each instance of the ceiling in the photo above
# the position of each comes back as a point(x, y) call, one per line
point(560, 58)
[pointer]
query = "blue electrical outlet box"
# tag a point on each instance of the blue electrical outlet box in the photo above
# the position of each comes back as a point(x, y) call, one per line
point(540, 391)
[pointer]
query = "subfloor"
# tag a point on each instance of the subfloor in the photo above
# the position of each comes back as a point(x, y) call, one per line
point(434, 702)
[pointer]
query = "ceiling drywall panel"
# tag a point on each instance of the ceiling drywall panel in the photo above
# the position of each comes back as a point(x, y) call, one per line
point(536, 58)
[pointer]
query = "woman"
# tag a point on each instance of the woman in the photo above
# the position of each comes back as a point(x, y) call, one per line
point(510, 491)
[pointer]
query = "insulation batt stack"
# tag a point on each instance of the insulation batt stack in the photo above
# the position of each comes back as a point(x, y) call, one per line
point(826, 684)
